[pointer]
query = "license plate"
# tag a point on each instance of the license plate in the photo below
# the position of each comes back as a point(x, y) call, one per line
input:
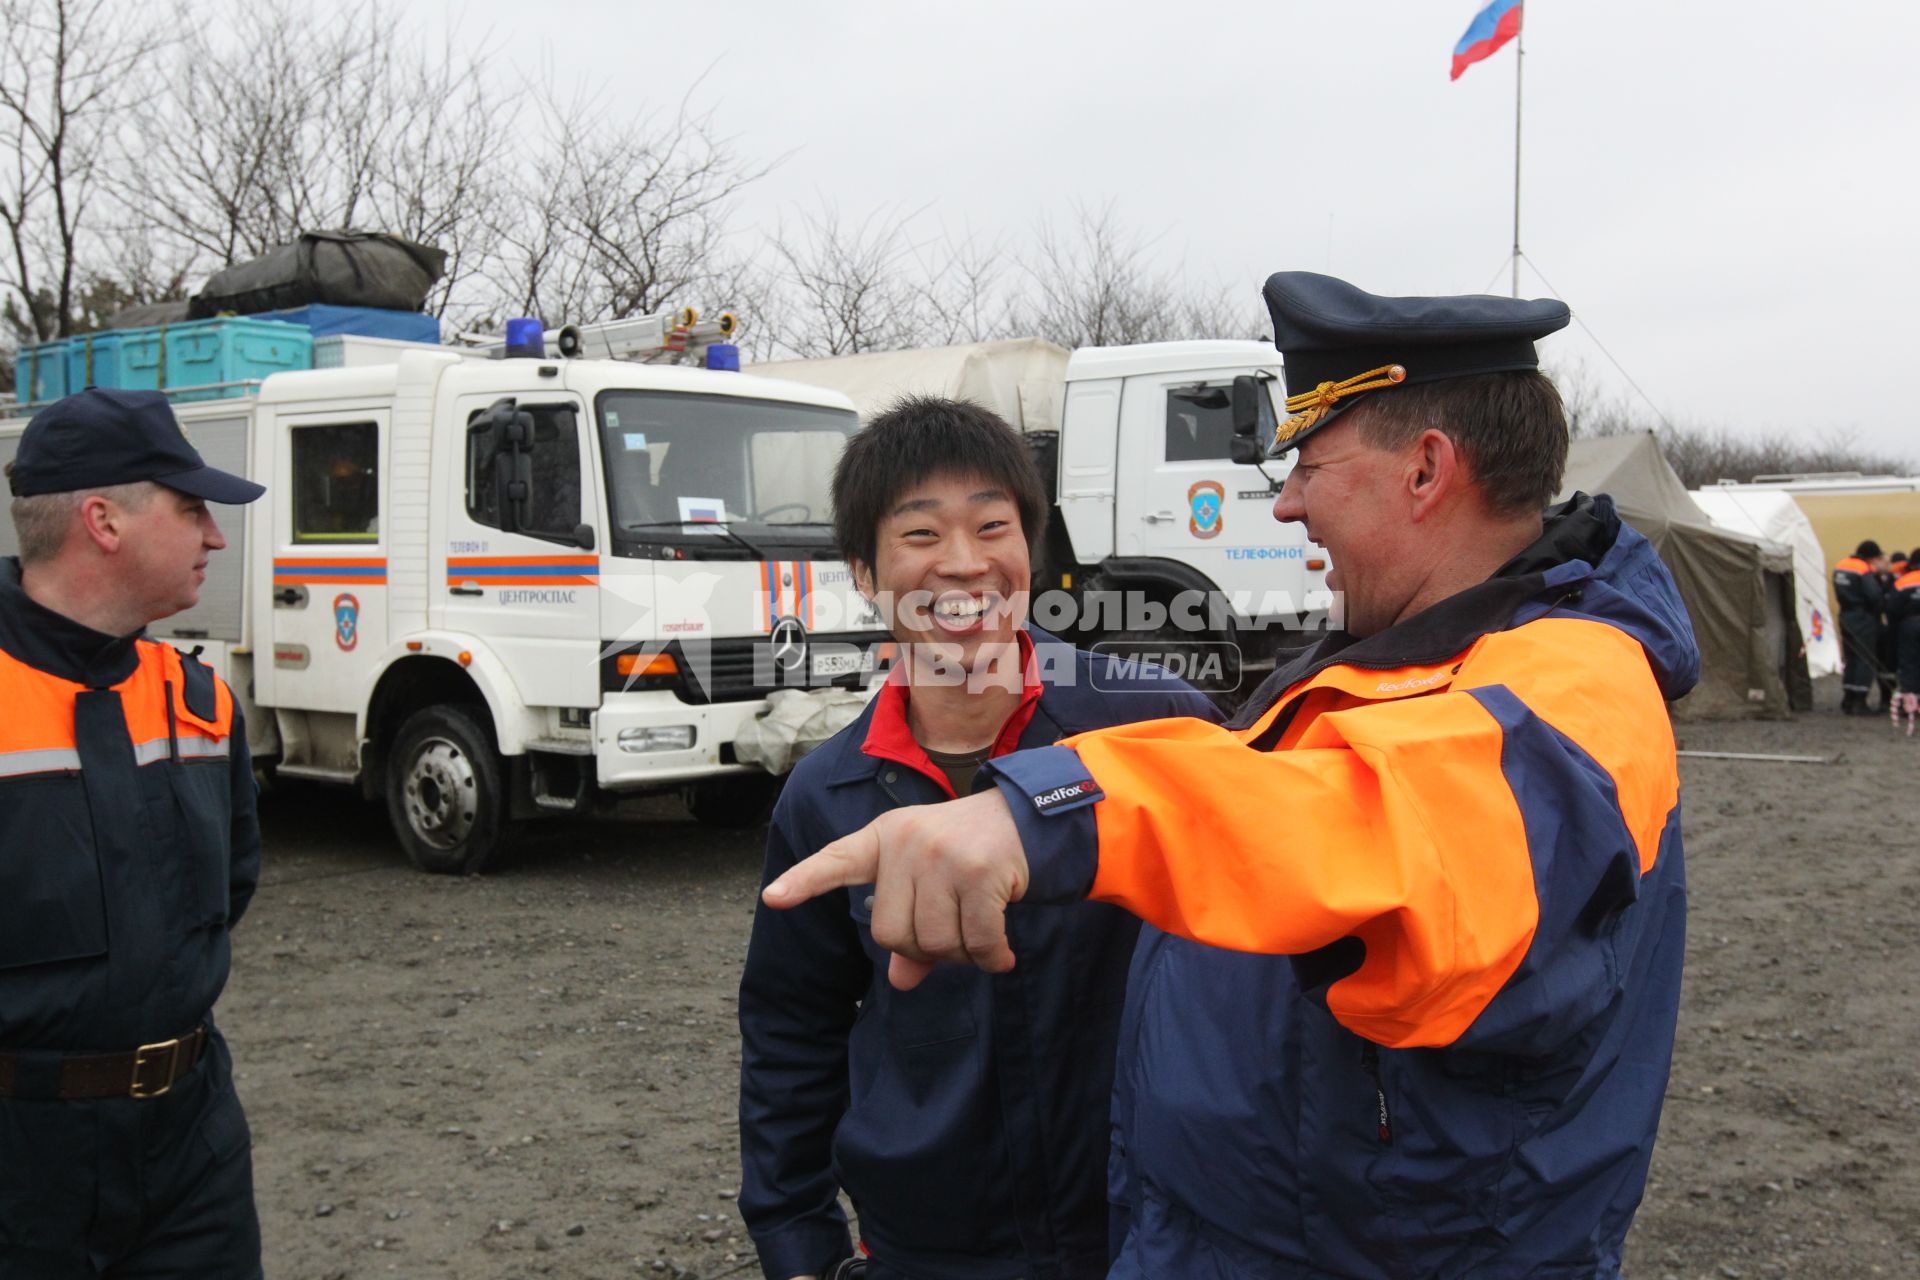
point(827, 665)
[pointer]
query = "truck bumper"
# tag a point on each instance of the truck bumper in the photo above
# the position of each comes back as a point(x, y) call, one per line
point(629, 727)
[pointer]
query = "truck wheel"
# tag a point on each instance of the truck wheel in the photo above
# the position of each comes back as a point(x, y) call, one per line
point(445, 793)
point(733, 804)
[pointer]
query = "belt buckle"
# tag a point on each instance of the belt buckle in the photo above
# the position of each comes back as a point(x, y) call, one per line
point(149, 1053)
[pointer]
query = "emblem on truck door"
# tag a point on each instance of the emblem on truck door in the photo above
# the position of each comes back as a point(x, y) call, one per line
point(346, 622)
point(1204, 501)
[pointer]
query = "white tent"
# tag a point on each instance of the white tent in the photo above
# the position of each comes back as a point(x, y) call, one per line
point(1776, 517)
point(1738, 588)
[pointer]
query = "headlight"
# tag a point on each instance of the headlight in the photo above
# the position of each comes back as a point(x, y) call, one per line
point(671, 737)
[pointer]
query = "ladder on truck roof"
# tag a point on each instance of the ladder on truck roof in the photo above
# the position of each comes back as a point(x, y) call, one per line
point(665, 338)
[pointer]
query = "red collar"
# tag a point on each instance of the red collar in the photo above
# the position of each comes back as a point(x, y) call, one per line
point(889, 738)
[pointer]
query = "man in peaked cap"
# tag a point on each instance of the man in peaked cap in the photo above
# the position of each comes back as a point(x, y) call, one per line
point(1408, 1001)
point(129, 849)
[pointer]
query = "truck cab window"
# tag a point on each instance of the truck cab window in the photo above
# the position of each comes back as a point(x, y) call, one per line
point(553, 500)
point(676, 459)
point(1199, 423)
point(336, 482)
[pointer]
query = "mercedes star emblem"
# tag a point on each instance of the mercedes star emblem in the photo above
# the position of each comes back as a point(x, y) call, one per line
point(788, 645)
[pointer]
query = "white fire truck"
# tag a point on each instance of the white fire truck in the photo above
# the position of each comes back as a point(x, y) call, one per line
point(484, 587)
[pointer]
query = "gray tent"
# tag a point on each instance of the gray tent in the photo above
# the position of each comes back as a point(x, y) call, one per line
point(1738, 588)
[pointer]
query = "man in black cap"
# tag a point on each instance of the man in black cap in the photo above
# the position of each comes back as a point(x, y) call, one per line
point(1423, 899)
point(1860, 589)
point(129, 849)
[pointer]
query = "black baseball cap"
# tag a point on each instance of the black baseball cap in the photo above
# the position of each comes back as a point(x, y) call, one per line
point(104, 437)
point(1340, 343)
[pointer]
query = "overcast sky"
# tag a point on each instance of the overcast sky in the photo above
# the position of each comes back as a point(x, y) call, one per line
point(1725, 192)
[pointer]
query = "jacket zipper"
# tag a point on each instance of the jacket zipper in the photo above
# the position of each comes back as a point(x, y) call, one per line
point(1370, 1059)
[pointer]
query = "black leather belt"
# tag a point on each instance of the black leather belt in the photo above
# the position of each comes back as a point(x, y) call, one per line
point(147, 1072)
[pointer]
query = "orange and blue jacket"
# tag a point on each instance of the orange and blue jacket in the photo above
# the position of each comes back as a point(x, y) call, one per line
point(1857, 589)
point(1408, 1002)
point(1903, 615)
point(129, 844)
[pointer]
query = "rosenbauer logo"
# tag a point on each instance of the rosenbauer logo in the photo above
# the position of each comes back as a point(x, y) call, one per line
point(1072, 793)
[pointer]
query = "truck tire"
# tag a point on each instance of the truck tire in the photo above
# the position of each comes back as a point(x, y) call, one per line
point(734, 803)
point(446, 795)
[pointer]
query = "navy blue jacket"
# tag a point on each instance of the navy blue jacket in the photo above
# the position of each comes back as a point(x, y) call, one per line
point(1450, 857)
point(129, 851)
point(966, 1119)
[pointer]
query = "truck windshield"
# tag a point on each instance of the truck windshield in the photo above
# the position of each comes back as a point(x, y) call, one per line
point(676, 461)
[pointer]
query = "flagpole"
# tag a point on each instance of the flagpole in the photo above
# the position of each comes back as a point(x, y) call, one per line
point(1519, 57)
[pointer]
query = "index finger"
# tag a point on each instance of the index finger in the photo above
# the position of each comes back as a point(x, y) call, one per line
point(850, 860)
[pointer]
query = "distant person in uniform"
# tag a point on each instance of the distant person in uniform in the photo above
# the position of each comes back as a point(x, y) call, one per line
point(129, 849)
point(1887, 660)
point(1903, 624)
point(1408, 1004)
point(1859, 592)
point(967, 1120)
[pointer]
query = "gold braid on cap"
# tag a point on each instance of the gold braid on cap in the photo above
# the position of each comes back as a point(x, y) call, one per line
point(1309, 407)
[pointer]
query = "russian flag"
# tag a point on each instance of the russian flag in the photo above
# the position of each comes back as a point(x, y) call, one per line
point(1492, 27)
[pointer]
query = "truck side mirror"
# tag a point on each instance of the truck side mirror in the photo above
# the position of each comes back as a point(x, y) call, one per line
point(1246, 406)
point(1247, 448)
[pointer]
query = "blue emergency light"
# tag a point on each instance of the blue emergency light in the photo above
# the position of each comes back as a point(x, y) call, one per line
point(724, 355)
point(526, 339)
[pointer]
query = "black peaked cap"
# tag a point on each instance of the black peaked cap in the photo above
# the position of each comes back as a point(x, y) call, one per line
point(1330, 332)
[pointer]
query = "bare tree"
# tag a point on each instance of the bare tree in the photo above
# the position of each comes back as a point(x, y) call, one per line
point(609, 219)
point(968, 290)
point(69, 71)
point(848, 286)
point(1094, 284)
point(1702, 454)
point(311, 123)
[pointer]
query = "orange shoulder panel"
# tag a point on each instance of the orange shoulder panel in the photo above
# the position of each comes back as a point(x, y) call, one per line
point(1592, 683)
point(39, 708)
point(1907, 580)
point(1401, 832)
point(1853, 564)
point(1388, 820)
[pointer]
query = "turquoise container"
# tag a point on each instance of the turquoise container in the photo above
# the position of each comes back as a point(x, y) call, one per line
point(213, 359)
point(40, 372)
point(143, 358)
point(93, 360)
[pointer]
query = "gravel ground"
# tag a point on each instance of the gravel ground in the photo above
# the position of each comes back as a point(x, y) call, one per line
point(532, 1073)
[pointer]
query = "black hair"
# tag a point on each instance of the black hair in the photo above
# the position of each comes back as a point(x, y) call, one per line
point(1867, 550)
point(1510, 428)
point(915, 440)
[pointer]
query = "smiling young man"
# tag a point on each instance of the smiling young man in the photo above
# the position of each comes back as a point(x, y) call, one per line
point(128, 850)
point(1423, 900)
point(967, 1120)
